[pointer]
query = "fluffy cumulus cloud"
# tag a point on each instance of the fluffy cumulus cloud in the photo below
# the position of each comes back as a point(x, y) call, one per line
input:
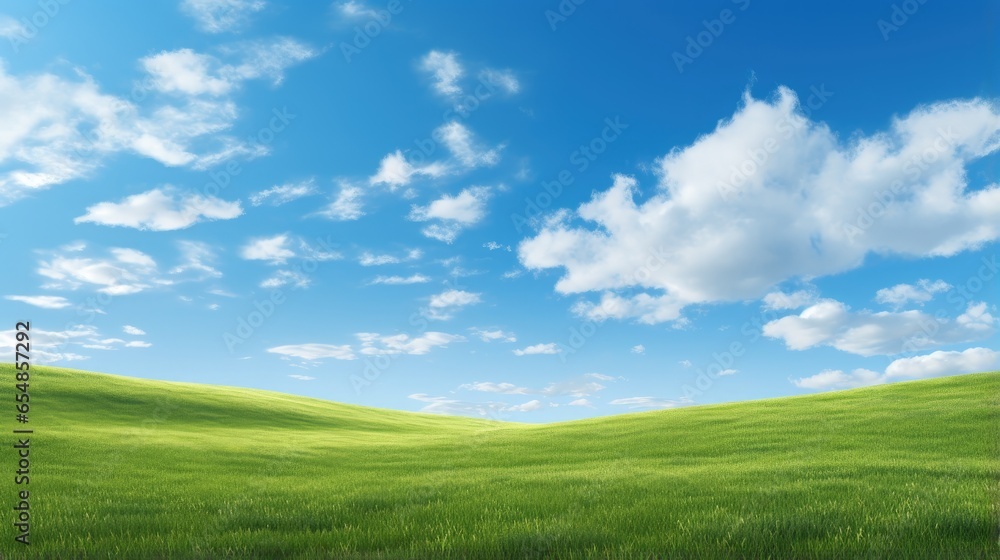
point(443, 306)
point(902, 294)
point(794, 300)
point(769, 196)
point(161, 210)
point(832, 323)
point(934, 364)
point(460, 142)
point(452, 214)
point(134, 331)
point(283, 194)
point(217, 16)
point(62, 127)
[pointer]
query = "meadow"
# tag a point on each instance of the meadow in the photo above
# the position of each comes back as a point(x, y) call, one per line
point(131, 468)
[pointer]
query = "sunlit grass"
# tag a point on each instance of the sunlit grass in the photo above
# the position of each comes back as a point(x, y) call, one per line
point(129, 468)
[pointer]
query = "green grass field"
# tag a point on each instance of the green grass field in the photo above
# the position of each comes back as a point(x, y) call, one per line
point(130, 468)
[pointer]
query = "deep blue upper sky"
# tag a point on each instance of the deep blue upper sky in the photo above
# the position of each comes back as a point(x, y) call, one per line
point(354, 200)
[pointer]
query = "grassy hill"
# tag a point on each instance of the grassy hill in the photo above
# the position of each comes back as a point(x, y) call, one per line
point(131, 468)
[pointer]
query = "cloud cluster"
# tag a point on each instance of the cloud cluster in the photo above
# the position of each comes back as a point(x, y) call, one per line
point(865, 333)
point(934, 364)
point(769, 196)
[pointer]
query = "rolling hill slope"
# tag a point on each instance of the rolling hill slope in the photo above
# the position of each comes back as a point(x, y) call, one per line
point(132, 468)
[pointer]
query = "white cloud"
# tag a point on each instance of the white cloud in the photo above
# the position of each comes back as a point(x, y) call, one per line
point(729, 372)
point(189, 73)
point(371, 259)
point(186, 71)
point(273, 250)
point(396, 171)
point(161, 210)
point(197, 260)
point(301, 377)
point(278, 249)
point(459, 141)
point(831, 323)
point(794, 300)
point(493, 334)
point(59, 346)
point(285, 278)
point(494, 246)
point(283, 194)
point(651, 402)
point(529, 406)
point(126, 271)
point(504, 79)
point(313, 352)
point(547, 348)
point(638, 349)
point(401, 280)
point(454, 213)
point(794, 214)
point(346, 206)
point(45, 302)
point(934, 364)
point(490, 387)
point(901, 294)
point(445, 70)
point(10, 28)
point(581, 402)
point(443, 306)
point(685, 363)
point(135, 331)
point(374, 344)
point(217, 16)
point(579, 387)
point(62, 128)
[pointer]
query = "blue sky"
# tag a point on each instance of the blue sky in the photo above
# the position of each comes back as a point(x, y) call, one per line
point(524, 211)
